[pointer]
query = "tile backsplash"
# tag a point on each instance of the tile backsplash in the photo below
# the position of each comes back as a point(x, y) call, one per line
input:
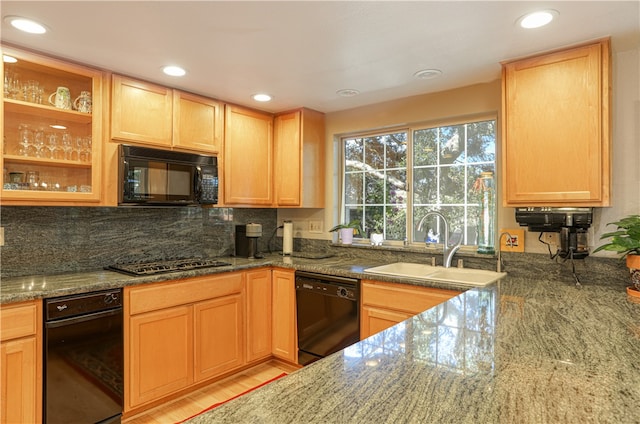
point(71, 239)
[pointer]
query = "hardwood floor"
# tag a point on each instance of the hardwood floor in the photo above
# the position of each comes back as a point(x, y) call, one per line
point(191, 404)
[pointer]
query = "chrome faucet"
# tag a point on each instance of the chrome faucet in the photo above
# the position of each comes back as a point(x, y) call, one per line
point(447, 252)
point(500, 263)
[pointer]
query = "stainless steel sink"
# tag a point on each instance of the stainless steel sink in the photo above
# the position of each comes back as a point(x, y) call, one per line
point(471, 277)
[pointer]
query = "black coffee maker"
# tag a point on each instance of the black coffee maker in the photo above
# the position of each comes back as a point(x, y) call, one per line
point(247, 240)
point(571, 223)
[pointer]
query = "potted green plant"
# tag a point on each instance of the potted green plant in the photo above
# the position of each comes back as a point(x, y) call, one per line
point(346, 231)
point(626, 241)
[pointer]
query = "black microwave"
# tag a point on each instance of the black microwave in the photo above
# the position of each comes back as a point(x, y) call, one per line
point(153, 177)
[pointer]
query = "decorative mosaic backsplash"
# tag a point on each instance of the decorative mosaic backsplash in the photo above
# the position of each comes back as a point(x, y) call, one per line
point(69, 239)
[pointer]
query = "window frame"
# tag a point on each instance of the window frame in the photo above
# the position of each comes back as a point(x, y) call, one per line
point(410, 129)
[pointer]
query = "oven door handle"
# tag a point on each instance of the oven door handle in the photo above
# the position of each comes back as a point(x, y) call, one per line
point(83, 318)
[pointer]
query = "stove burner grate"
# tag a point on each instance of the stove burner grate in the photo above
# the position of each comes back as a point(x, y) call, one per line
point(159, 267)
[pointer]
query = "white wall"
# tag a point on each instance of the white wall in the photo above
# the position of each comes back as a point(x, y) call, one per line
point(483, 99)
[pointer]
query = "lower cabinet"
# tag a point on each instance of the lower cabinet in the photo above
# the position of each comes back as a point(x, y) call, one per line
point(21, 367)
point(258, 313)
point(218, 336)
point(285, 342)
point(180, 333)
point(386, 304)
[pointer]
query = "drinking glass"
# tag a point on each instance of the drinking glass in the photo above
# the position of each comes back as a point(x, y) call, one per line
point(67, 146)
point(52, 145)
point(25, 135)
point(39, 143)
point(85, 151)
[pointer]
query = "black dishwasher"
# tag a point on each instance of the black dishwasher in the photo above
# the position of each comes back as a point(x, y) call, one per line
point(83, 358)
point(327, 315)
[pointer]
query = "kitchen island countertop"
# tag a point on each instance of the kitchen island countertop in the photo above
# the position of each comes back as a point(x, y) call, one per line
point(522, 350)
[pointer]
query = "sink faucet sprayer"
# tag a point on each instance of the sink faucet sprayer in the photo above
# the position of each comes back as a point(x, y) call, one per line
point(500, 263)
point(447, 252)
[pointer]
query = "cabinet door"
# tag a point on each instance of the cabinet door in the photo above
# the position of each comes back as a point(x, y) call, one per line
point(21, 363)
point(285, 341)
point(197, 122)
point(556, 141)
point(219, 336)
point(141, 112)
point(374, 320)
point(21, 397)
point(288, 166)
point(161, 354)
point(299, 159)
point(51, 155)
point(248, 157)
point(258, 314)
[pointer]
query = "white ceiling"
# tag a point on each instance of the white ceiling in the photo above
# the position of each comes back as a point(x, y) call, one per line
point(302, 52)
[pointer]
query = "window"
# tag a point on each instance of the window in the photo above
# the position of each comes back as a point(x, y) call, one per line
point(392, 179)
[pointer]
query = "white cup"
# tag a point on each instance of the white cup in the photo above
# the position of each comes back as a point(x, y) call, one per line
point(63, 98)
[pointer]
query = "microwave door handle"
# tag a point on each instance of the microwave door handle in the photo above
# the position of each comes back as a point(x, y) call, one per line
point(197, 184)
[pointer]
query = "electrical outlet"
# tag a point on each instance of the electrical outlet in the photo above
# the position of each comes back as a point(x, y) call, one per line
point(551, 238)
point(315, 226)
point(1, 236)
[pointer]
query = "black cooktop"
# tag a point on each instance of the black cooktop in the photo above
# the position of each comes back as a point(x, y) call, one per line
point(171, 265)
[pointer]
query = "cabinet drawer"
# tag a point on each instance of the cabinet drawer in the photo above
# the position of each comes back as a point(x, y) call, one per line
point(181, 292)
point(19, 320)
point(402, 297)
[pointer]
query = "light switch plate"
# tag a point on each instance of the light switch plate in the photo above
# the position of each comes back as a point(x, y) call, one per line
point(315, 226)
point(1, 236)
point(517, 240)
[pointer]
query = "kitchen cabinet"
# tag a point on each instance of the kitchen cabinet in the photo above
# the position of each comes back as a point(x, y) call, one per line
point(285, 342)
point(145, 113)
point(259, 310)
point(219, 336)
point(556, 145)
point(386, 304)
point(141, 112)
point(21, 362)
point(179, 333)
point(197, 122)
point(248, 157)
point(299, 159)
point(51, 155)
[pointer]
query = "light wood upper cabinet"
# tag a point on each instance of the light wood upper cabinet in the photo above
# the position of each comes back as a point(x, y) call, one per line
point(54, 166)
point(141, 112)
point(197, 122)
point(21, 363)
point(285, 341)
point(386, 304)
point(556, 134)
point(299, 159)
point(258, 289)
point(248, 157)
point(146, 113)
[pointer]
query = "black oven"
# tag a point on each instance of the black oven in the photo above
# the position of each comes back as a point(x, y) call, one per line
point(152, 177)
point(83, 358)
point(327, 315)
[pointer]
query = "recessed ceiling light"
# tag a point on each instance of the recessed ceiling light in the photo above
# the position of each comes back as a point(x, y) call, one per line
point(174, 71)
point(428, 74)
point(8, 59)
point(347, 92)
point(26, 25)
point(537, 19)
point(261, 97)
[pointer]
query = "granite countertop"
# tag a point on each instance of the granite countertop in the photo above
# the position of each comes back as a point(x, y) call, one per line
point(519, 351)
point(524, 349)
point(17, 289)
